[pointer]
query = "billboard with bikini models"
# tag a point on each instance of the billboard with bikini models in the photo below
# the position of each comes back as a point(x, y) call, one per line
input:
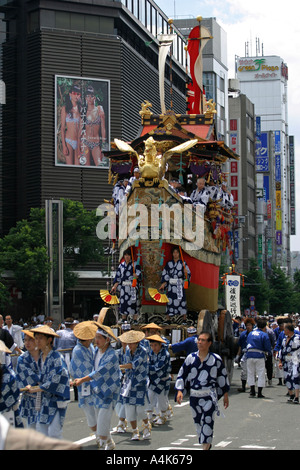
point(82, 121)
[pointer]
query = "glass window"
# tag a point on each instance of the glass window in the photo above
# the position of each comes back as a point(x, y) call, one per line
point(106, 25)
point(91, 23)
point(142, 12)
point(33, 21)
point(77, 22)
point(153, 21)
point(159, 24)
point(62, 20)
point(148, 16)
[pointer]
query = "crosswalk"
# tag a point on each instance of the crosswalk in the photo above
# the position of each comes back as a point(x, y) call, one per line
point(188, 443)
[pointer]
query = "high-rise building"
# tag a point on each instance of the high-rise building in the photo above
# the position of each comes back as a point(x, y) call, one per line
point(242, 176)
point(264, 80)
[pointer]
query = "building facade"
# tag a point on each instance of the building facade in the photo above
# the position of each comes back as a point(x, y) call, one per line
point(265, 82)
point(242, 178)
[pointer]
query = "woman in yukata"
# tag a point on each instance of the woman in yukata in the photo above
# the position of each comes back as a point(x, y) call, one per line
point(9, 390)
point(71, 126)
point(173, 279)
point(54, 384)
point(82, 364)
point(159, 379)
point(289, 361)
point(134, 391)
point(105, 384)
point(127, 273)
point(27, 376)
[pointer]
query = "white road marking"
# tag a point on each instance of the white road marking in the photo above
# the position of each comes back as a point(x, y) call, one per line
point(223, 444)
point(256, 447)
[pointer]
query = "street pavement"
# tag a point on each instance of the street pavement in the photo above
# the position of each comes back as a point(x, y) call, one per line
point(268, 423)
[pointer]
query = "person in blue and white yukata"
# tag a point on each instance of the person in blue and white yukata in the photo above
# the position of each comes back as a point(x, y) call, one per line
point(159, 380)
point(9, 390)
point(134, 391)
point(105, 384)
point(258, 344)
point(242, 351)
point(54, 385)
point(123, 281)
point(120, 406)
point(203, 375)
point(27, 376)
point(289, 361)
point(172, 279)
point(82, 364)
point(189, 345)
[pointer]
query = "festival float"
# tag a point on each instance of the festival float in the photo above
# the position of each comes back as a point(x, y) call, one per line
point(184, 145)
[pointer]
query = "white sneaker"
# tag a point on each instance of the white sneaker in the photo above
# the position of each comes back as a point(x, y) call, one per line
point(135, 435)
point(110, 444)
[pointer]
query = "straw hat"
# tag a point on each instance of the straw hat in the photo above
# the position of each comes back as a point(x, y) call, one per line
point(4, 348)
point(156, 338)
point(132, 336)
point(151, 325)
point(28, 333)
point(106, 330)
point(45, 330)
point(85, 330)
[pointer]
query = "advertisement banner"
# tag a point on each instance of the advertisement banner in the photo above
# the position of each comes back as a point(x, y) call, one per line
point(278, 199)
point(278, 220)
point(262, 152)
point(82, 121)
point(232, 294)
point(278, 238)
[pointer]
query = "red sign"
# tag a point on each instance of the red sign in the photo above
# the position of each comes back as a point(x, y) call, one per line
point(234, 181)
point(234, 167)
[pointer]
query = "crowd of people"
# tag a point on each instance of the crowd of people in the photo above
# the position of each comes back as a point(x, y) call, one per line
point(200, 195)
point(129, 375)
point(269, 348)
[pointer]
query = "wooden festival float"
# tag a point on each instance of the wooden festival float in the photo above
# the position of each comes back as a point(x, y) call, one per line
point(185, 146)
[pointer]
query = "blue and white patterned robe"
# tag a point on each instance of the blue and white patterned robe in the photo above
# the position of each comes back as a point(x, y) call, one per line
point(134, 387)
point(9, 396)
point(129, 296)
point(173, 275)
point(105, 383)
point(289, 355)
point(81, 365)
point(28, 374)
point(159, 371)
point(54, 381)
point(206, 382)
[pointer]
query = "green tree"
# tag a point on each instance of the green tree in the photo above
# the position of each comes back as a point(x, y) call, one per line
point(81, 245)
point(256, 286)
point(23, 250)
